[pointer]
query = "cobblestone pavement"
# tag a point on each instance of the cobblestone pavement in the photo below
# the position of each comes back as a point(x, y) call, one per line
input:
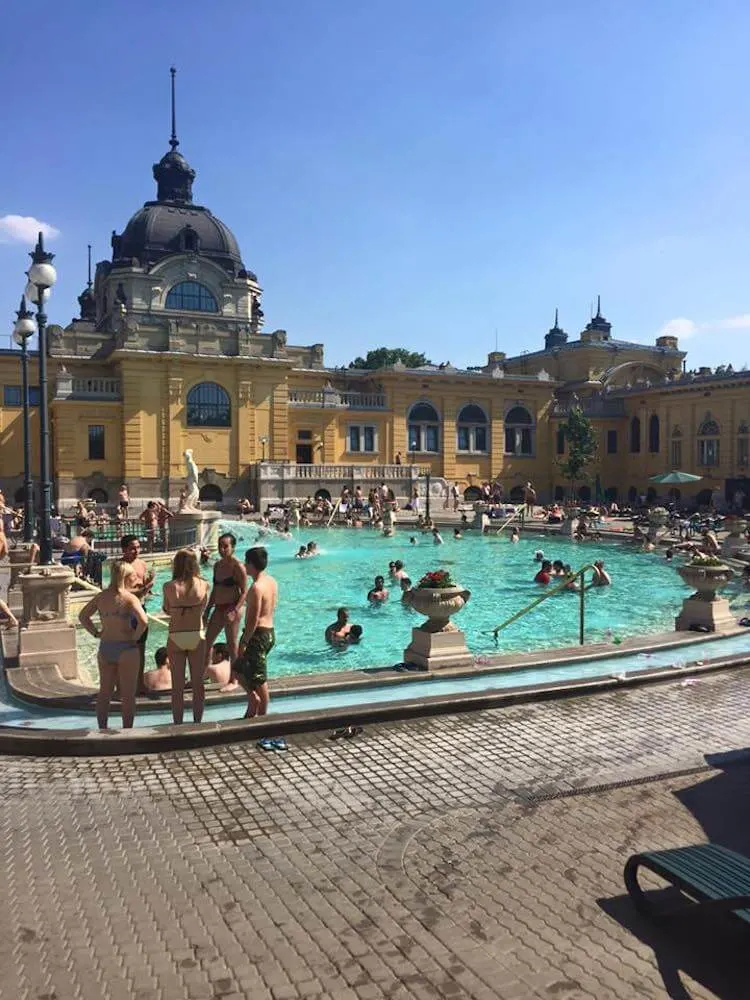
point(469, 856)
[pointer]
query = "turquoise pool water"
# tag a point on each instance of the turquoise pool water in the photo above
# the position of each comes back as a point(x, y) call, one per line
point(645, 595)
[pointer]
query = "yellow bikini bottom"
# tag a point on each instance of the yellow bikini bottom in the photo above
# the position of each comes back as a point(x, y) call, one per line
point(187, 641)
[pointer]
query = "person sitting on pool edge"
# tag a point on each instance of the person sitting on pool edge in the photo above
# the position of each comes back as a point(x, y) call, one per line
point(159, 679)
point(379, 592)
point(219, 670)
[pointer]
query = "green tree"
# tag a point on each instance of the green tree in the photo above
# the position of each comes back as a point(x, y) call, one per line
point(581, 438)
point(384, 356)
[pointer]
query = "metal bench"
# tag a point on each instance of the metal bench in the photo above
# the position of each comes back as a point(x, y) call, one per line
point(713, 877)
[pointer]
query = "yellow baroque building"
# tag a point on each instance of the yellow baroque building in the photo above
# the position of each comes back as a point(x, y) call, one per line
point(169, 353)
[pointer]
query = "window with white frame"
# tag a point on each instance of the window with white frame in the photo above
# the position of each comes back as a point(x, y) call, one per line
point(424, 428)
point(362, 438)
point(708, 442)
point(471, 430)
point(519, 431)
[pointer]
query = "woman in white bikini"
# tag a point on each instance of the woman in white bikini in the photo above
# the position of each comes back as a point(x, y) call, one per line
point(123, 622)
point(185, 599)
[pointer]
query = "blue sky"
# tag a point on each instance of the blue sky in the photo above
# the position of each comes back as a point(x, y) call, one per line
point(415, 174)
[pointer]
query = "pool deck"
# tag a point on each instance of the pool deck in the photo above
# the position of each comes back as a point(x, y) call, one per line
point(465, 857)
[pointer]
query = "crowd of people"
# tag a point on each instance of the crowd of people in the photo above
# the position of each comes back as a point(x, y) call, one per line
point(195, 612)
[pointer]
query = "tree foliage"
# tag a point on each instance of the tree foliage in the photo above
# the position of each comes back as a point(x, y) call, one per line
point(581, 438)
point(384, 356)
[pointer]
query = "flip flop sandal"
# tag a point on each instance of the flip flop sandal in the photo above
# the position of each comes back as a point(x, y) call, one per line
point(279, 743)
point(338, 734)
point(351, 731)
point(265, 744)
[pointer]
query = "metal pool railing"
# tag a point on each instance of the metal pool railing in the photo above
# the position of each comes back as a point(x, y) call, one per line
point(551, 593)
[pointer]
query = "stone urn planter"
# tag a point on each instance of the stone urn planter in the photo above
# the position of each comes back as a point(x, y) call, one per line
point(438, 642)
point(438, 605)
point(735, 540)
point(706, 579)
point(705, 610)
point(658, 517)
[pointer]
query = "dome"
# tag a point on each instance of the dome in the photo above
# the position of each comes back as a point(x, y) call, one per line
point(160, 229)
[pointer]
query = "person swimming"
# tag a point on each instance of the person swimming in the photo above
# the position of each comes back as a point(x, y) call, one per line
point(436, 537)
point(379, 592)
point(545, 573)
point(514, 536)
point(601, 577)
point(538, 555)
point(338, 631)
point(558, 569)
point(301, 553)
point(406, 587)
point(412, 540)
point(457, 534)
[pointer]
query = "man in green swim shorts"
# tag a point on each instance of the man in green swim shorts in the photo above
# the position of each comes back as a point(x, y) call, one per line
point(258, 637)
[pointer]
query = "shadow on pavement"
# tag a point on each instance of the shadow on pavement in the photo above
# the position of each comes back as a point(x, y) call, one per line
point(713, 951)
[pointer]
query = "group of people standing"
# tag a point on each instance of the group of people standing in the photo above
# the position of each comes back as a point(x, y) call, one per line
point(196, 612)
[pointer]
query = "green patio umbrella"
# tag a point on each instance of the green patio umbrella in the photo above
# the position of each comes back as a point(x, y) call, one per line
point(674, 478)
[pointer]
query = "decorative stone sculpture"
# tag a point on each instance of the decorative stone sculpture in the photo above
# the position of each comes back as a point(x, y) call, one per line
point(191, 482)
point(438, 642)
point(46, 636)
point(704, 608)
point(735, 540)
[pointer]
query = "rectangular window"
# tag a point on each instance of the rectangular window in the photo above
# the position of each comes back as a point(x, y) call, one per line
point(362, 438)
point(675, 454)
point(96, 442)
point(743, 451)
point(431, 438)
point(304, 435)
point(560, 441)
point(480, 438)
point(519, 441)
point(708, 451)
point(13, 395)
point(611, 442)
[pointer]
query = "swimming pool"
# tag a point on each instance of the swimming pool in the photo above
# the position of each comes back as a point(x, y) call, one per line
point(645, 596)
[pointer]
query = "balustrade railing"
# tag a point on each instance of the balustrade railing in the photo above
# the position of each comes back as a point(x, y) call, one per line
point(335, 399)
point(293, 470)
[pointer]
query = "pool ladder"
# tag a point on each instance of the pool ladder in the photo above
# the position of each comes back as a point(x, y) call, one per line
point(578, 575)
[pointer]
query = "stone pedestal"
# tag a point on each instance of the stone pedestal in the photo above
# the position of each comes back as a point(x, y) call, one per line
point(705, 608)
point(438, 643)
point(203, 525)
point(715, 615)
point(432, 650)
point(46, 636)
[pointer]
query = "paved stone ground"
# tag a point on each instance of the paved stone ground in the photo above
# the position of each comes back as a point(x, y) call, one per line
point(471, 856)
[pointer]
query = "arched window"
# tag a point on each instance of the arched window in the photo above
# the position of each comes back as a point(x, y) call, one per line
point(517, 494)
point(192, 296)
point(519, 432)
point(743, 445)
point(675, 448)
point(653, 434)
point(472, 493)
point(708, 442)
point(211, 493)
point(208, 406)
point(610, 494)
point(559, 494)
point(584, 494)
point(471, 430)
point(98, 495)
point(424, 428)
point(635, 435)
point(632, 494)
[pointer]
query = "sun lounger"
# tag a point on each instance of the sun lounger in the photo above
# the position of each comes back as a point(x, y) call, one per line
point(713, 877)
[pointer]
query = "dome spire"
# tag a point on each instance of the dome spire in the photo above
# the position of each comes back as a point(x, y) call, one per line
point(174, 142)
point(173, 174)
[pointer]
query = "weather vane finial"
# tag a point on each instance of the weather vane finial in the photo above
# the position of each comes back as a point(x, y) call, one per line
point(174, 141)
point(89, 265)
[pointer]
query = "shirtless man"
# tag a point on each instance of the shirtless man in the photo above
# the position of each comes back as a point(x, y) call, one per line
point(140, 583)
point(258, 637)
point(338, 631)
point(159, 679)
point(150, 518)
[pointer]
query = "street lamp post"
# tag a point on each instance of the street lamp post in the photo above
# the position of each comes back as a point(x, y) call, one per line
point(263, 442)
point(42, 277)
point(24, 328)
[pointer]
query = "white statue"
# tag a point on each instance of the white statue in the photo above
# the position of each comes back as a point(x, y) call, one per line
point(191, 482)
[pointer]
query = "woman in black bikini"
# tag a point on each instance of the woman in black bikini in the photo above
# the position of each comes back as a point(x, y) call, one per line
point(228, 592)
point(123, 622)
